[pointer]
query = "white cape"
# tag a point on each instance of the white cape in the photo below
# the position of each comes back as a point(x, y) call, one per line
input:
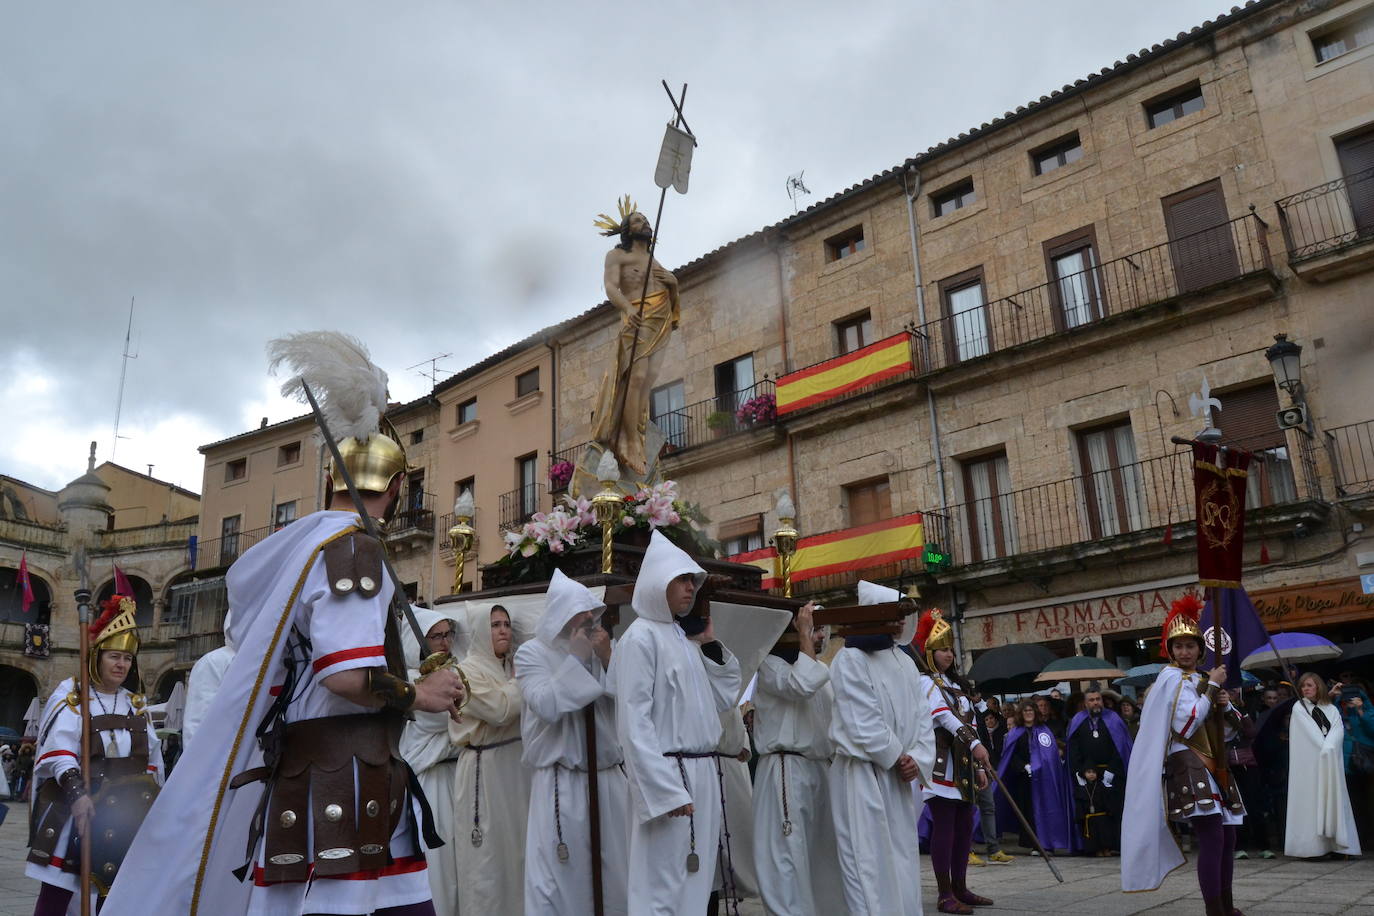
point(1320, 819)
point(1148, 848)
point(181, 861)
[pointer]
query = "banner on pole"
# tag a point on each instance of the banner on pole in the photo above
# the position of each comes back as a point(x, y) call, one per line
point(1220, 505)
point(675, 159)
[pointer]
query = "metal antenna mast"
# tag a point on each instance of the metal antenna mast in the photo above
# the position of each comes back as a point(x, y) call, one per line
point(123, 372)
point(796, 188)
point(433, 373)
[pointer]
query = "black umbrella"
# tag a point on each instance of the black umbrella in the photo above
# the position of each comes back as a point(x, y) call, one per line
point(1010, 669)
point(1362, 652)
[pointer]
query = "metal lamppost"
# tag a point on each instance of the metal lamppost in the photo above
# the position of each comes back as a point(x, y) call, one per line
point(460, 536)
point(607, 504)
point(785, 540)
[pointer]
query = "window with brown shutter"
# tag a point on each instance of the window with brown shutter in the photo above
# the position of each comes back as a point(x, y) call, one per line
point(740, 535)
point(991, 518)
point(1248, 420)
point(1113, 486)
point(869, 501)
point(1200, 243)
point(1356, 154)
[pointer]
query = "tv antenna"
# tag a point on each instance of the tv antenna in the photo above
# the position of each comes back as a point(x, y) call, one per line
point(123, 373)
point(796, 188)
point(432, 373)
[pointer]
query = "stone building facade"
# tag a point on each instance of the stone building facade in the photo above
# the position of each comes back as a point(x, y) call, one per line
point(120, 517)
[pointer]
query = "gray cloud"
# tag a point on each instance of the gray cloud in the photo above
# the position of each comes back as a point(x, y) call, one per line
point(425, 174)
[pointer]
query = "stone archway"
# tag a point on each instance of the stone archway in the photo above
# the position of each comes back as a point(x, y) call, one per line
point(17, 690)
point(162, 689)
point(143, 598)
point(12, 603)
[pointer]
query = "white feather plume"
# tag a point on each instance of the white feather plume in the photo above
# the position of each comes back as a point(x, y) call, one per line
point(349, 387)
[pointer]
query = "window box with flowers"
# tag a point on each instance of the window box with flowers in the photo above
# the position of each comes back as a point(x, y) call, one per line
point(757, 411)
point(560, 475)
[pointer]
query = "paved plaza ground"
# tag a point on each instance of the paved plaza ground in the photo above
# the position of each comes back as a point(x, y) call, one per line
point(1278, 887)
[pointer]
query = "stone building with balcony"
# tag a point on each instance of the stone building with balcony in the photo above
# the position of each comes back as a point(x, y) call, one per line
point(119, 516)
point(1063, 277)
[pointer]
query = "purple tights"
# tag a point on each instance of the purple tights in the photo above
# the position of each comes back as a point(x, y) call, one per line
point(53, 901)
point(951, 837)
point(1216, 848)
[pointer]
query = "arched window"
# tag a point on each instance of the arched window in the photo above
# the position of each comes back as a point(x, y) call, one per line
point(12, 603)
point(143, 597)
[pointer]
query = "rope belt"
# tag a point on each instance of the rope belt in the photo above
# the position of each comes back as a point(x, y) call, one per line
point(477, 789)
point(723, 853)
point(562, 848)
point(782, 756)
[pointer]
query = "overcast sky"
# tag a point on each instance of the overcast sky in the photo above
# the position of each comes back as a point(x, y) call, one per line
point(425, 174)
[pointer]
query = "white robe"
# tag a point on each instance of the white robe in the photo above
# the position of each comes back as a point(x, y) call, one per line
point(669, 696)
point(491, 875)
point(206, 675)
point(798, 872)
point(739, 808)
point(425, 746)
point(1320, 819)
point(556, 687)
point(880, 714)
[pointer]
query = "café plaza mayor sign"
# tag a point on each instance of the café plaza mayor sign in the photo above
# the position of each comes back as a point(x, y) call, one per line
point(1125, 610)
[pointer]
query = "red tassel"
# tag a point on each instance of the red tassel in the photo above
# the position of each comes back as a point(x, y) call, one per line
point(1169, 533)
point(1264, 554)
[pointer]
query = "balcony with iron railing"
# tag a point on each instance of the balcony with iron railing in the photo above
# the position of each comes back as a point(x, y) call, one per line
point(569, 454)
point(713, 419)
point(519, 504)
point(223, 551)
point(1351, 449)
point(1113, 507)
point(1329, 229)
point(413, 524)
point(1214, 261)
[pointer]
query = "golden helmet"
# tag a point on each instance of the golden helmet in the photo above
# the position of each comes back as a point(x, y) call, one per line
point(115, 630)
point(1181, 621)
point(933, 632)
point(372, 463)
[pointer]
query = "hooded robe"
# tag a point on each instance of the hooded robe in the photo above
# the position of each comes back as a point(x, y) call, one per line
point(492, 787)
point(425, 746)
point(669, 696)
point(182, 860)
point(739, 808)
point(1320, 819)
point(1051, 796)
point(880, 714)
point(556, 687)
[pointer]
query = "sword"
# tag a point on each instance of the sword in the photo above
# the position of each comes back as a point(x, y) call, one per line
point(991, 774)
point(369, 523)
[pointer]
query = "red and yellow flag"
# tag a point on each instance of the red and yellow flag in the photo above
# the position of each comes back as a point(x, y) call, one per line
point(847, 550)
point(834, 377)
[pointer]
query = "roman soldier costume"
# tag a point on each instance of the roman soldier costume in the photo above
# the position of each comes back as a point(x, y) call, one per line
point(125, 772)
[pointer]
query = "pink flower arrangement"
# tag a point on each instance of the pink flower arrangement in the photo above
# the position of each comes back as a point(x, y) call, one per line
point(560, 474)
point(572, 523)
point(762, 408)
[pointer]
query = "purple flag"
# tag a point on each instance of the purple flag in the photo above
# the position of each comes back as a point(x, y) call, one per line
point(1231, 630)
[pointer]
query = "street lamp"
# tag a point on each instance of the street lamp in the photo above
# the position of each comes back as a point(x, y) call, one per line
point(1285, 361)
point(461, 534)
point(785, 539)
point(607, 503)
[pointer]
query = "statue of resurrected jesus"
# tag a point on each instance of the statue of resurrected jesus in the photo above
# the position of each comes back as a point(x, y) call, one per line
point(648, 315)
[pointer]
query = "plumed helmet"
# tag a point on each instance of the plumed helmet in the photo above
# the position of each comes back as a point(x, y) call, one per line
point(1182, 620)
point(933, 632)
point(115, 630)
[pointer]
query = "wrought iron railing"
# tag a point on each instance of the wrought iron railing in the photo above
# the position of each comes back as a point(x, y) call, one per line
point(415, 514)
point(223, 551)
point(1139, 496)
point(569, 454)
point(713, 418)
point(1352, 457)
point(1328, 217)
point(1184, 265)
point(519, 504)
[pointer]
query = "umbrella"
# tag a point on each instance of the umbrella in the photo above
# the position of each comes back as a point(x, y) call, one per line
point(1078, 668)
point(1009, 669)
point(1362, 651)
point(1295, 648)
point(1141, 675)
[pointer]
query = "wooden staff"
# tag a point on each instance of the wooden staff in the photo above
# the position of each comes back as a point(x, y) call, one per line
point(83, 679)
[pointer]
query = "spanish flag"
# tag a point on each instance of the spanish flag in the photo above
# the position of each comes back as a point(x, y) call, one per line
point(834, 377)
point(847, 550)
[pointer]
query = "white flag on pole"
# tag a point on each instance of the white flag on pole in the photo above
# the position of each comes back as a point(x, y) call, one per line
point(675, 159)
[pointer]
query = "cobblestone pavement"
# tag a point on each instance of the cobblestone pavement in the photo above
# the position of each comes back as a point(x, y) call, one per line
point(1277, 887)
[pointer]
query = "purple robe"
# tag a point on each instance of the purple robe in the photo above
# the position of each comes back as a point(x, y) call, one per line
point(1116, 728)
point(1051, 811)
